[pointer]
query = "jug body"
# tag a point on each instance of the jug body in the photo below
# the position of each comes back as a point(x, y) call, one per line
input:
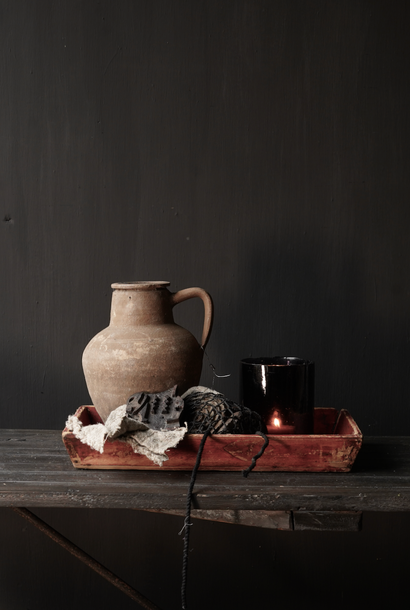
point(142, 349)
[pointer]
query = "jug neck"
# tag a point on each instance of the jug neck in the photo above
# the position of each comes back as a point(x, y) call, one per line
point(141, 304)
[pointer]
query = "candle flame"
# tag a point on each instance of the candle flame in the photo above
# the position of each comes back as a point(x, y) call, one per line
point(276, 422)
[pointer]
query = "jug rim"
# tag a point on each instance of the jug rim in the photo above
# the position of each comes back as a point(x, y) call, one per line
point(140, 285)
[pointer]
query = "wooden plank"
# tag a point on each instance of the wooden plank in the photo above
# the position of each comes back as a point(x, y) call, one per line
point(323, 521)
point(269, 519)
point(327, 521)
point(36, 471)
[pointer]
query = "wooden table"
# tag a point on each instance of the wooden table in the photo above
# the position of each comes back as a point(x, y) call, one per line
point(37, 472)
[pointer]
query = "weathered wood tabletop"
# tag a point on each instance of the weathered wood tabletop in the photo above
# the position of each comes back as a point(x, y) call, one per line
point(36, 471)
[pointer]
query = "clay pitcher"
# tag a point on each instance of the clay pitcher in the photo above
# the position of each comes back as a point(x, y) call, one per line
point(143, 350)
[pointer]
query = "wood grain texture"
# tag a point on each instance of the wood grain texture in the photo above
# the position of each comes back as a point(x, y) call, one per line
point(333, 448)
point(269, 519)
point(36, 471)
point(319, 521)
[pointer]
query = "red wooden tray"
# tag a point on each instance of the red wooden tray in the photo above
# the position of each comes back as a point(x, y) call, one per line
point(332, 448)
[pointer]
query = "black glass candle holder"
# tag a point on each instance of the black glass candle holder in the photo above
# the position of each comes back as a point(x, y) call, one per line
point(281, 389)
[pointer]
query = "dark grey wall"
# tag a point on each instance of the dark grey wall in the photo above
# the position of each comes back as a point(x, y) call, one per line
point(258, 149)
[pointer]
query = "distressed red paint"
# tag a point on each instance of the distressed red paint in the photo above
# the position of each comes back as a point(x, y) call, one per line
point(332, 448)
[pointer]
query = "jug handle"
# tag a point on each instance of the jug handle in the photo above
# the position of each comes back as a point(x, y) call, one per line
point(190, 293)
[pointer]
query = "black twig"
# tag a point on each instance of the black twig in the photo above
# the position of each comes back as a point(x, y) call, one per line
point(258, 455)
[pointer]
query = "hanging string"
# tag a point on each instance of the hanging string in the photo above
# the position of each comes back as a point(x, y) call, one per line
point(214, 373)
point(211, 413)
point(187, 522)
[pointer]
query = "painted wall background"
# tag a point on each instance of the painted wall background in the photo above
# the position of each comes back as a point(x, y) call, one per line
point(258, 149)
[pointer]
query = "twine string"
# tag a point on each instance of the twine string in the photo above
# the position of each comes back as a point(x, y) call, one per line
point(187, 522)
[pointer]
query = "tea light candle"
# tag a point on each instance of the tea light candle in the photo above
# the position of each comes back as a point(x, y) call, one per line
point(276, 426)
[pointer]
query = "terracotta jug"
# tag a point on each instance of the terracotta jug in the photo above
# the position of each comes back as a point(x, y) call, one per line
point(143, 350)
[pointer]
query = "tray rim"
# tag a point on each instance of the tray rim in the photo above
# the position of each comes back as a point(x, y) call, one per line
point(343, 447)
